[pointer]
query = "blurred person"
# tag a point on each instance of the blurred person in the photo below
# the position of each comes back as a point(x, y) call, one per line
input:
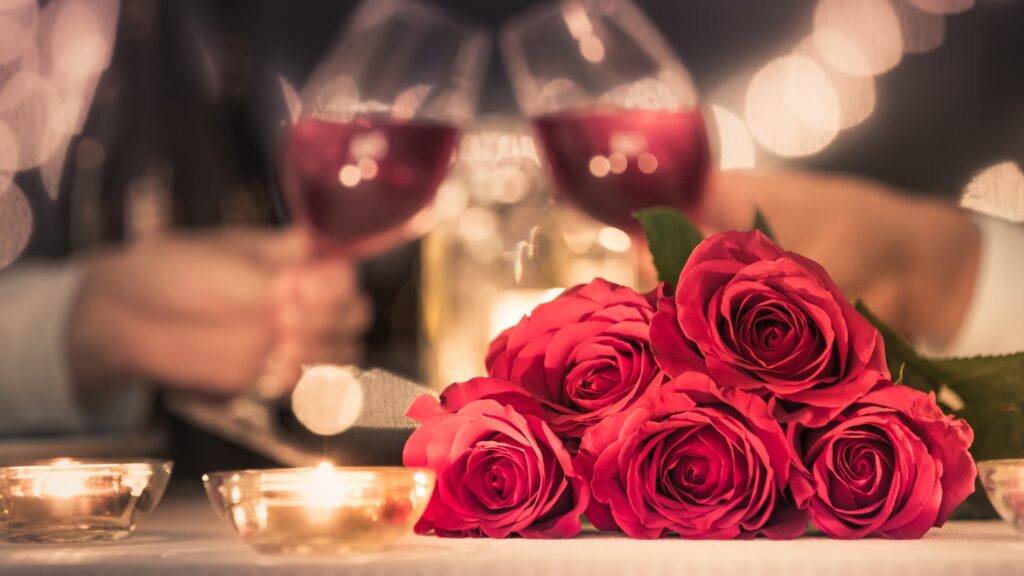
point(944, 277)
point(153, 264)
point(219, 313)
point(195, 84)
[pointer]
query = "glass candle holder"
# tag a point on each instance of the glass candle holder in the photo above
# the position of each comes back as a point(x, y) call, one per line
point(1004, 484)
point(323, 510)
point(78, 501)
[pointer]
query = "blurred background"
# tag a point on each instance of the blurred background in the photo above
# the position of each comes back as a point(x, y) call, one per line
point(122, 120)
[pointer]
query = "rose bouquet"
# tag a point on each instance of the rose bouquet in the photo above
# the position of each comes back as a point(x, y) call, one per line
point(745, 396)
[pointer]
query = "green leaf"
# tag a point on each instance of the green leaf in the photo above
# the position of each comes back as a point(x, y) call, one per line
point(671, 238)
point(913, 369)
point(761, 223)
point(986, 380)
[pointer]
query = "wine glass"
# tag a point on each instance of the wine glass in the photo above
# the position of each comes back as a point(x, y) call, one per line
point(613, 108)
point(378, 124)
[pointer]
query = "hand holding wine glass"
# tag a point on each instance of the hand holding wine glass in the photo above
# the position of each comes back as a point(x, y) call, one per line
point(379, 122)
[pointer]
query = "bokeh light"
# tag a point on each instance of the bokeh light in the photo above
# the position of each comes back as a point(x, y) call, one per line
point(349, 175)
point(647, 163)
point(18, 19)
point(735, 147)
point(666, 91)
point(15, 224)
point(82, 37)
point(328, 399)
point(856, 94)
point(8, 156)
point(592, 48)
point(337, 100)
point(6, 5)
point(997, 191)
point(149, 207)
point(614, 239)
point(599, 166)
point(410, 100)
point(35, 115)
point(791, 107)
point(617, 163)
point(858, 37)
point(922, 31)
point(944, 6)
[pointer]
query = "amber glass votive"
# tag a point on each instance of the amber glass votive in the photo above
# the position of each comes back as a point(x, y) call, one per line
point(323, 510)
point(78, 500)
point(1004, 483)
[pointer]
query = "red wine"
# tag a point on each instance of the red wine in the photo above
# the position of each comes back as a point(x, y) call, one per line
point(612, 163)
point(358, 185)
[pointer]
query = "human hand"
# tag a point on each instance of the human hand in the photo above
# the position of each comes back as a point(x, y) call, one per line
point(214, 312)
point(912, 260)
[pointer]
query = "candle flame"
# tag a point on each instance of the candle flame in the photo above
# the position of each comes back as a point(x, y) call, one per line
point(63, 481)
point(324, 489)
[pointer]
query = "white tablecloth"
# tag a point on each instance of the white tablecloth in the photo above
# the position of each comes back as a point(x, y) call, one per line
point(183, 537)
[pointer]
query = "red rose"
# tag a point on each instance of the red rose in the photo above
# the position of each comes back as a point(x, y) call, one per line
point(585, 356)
point(769, 321)
point(696, 460)
point(891, 465)
point(500, 469)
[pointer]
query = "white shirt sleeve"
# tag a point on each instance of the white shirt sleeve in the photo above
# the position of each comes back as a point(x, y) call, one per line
point(36, 391)
point(994, 320)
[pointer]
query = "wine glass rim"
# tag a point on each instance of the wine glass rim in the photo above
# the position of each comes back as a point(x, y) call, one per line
point(429, 8)
point(272, 473)
point(1002, 463)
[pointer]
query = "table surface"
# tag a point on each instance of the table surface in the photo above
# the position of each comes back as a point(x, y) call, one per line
point(184, 537)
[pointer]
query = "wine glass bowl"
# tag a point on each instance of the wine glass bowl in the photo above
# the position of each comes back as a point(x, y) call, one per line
point(378, 125)
point(323, 510)
point(614, 110)
point(358, 186)
point(613, 163)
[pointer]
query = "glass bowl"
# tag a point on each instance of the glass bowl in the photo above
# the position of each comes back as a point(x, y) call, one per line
point(1004, 483)
point(323, 510)
point(78, 500)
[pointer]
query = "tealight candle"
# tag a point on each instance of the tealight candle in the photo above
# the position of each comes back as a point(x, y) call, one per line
point(78, 501)
point(323, 509)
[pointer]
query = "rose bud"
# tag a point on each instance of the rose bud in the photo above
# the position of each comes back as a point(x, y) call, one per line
point(768, 321)
point(585, 356)
point(500, 469)
point(892, 465)
point(695, 460)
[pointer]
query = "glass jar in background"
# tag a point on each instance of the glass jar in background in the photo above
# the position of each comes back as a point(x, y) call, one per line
point(501, 247)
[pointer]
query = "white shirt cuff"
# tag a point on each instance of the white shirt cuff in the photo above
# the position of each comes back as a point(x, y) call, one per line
point(994, 321)
point(37, 394)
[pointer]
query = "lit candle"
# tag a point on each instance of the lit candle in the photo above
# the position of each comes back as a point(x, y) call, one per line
point(323, 509)
point(511, 305)
point(69, 501)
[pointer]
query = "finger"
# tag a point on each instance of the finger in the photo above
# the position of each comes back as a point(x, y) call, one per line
point(322, 300)
point(349, 319)
point(274, 248)
point(328, 283)
point(219, 358)
point(726, 203)
point(333, 351)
